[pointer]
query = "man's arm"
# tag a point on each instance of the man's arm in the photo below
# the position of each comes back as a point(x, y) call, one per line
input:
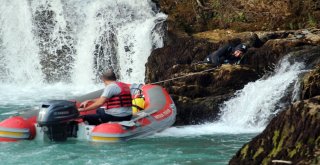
point(108, 92)
point(223, 51)
point(98, 103)
point(217, 58)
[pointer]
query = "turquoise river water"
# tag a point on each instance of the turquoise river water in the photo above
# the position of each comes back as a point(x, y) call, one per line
point(176, 147)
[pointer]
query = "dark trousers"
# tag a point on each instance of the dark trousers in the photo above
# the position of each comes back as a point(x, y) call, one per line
point(102, 117)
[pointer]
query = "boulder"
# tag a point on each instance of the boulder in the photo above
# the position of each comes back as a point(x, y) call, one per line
point(292, 136)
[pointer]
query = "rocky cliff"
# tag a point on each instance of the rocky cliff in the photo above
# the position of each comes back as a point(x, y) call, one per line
point(200, 89)
point(271, 29)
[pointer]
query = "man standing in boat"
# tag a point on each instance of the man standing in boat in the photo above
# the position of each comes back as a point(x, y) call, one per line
point(115, 103)
point(227, 54)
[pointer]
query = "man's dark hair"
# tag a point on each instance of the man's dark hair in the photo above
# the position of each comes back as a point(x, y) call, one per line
point(109, 75)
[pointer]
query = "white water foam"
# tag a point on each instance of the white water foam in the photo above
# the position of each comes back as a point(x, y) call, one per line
point(19, 53)
point(251, 108)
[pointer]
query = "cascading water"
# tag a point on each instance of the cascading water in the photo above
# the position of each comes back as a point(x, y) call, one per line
point(252, 107)
point(258, 101)
point(58, 48)
point(19, 53)
point(55, 39)
point(119, 35)
point(75, 40)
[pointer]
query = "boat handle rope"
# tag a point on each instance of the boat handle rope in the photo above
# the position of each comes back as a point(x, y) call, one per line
point(180, 77)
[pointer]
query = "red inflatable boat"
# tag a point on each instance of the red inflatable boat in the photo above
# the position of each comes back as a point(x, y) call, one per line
point(59, 120)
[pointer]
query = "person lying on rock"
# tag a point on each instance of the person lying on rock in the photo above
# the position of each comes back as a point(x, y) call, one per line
point(113, 105)
point(227, 54)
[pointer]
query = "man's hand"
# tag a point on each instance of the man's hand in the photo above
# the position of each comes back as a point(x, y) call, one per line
point(85, 103)
point(92, 106)
point(81, 109)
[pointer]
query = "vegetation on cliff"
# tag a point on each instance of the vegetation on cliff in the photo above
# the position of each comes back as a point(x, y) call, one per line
point(193, 16)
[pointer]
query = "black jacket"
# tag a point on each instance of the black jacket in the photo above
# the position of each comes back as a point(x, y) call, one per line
point(223, 55)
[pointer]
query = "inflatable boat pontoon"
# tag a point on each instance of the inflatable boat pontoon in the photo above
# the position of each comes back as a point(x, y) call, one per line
point(59, 120)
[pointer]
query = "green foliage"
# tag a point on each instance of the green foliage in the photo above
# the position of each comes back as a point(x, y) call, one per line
point(241, 17)
point(291, 26)
point(216, 4)
point(238, 17)
point(312, 22)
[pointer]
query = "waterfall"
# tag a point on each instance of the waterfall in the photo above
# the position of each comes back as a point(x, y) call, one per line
point(250, 110)
point(256, 102)
point(119, 35)
point(19, 52)
point(76, 40)
point(55, 39)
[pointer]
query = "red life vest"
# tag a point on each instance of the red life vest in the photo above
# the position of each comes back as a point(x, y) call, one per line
point(122, 100)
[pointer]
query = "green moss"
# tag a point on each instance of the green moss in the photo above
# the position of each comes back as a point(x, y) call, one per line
point(260, 150)
point(295, 150)
point(244, 151)
point(265, 161)
point(292, 128)
point(311, 141)
point(292, 153)
point(283, 136)
point(277, 149)
point(299, 145)
point(275, 137)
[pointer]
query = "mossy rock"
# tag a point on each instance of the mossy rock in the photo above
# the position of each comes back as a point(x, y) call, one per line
point(293, 135)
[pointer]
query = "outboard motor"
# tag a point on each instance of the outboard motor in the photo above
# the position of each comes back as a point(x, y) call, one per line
point(57, 119)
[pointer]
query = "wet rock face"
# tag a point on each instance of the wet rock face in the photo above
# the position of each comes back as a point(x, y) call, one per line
point(311, 84)
point(201, 15)
point(293, 135)
point(56, 52)
point(180, 51)
point(198, 94)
